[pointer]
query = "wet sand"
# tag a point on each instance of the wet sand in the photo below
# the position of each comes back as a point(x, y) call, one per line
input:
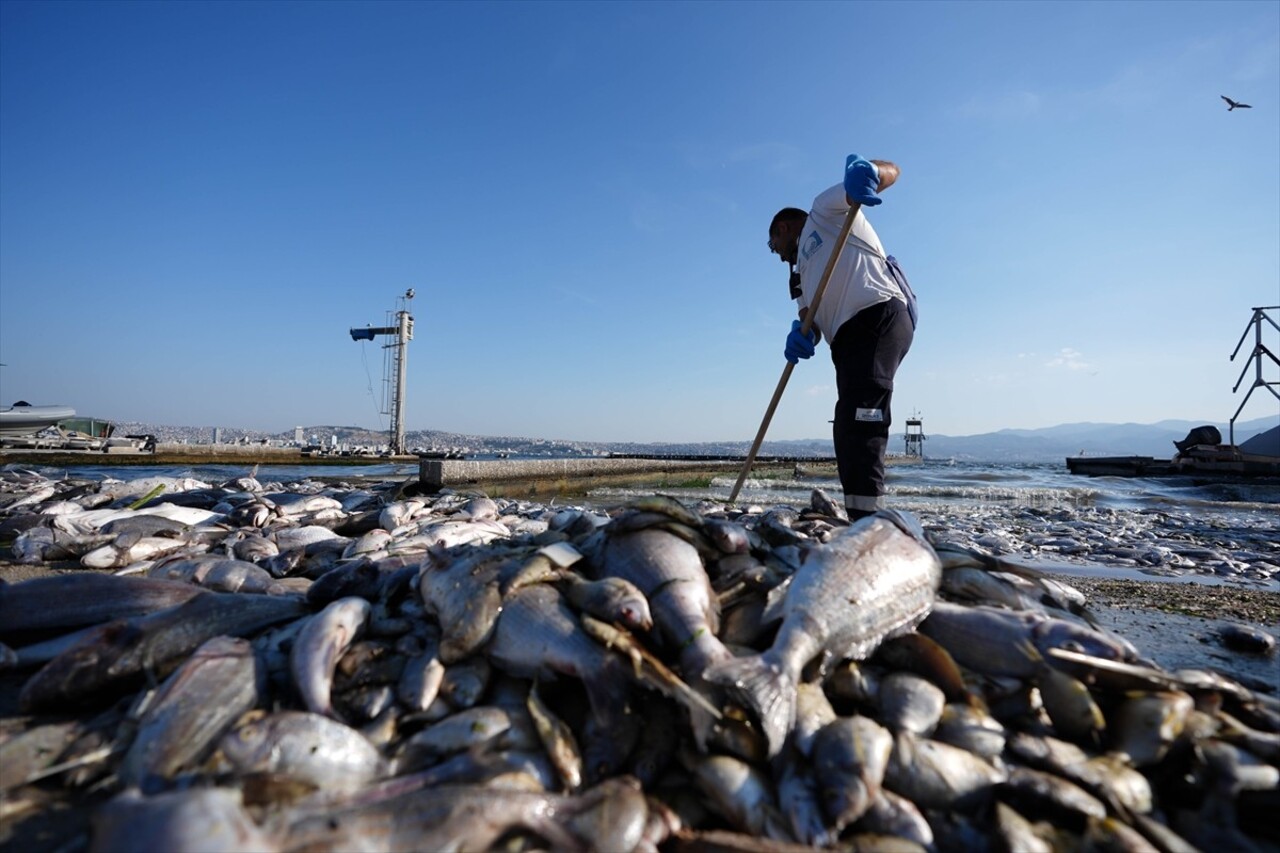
point(1179, 625)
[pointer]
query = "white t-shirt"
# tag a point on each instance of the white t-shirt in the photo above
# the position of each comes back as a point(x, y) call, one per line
point(861, 277)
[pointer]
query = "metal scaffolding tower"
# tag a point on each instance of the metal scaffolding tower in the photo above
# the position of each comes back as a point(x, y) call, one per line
point(915, 436)
point(402, 332)
point(1259, 350)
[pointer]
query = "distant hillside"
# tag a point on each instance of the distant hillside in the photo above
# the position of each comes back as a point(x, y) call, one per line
point(1048, 444)
point(1091, 439)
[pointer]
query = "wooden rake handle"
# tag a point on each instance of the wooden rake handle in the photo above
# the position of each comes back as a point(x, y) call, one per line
point(804, 329)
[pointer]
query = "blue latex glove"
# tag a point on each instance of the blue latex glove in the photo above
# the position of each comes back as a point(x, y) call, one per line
point(861, 177)
point(799, 345)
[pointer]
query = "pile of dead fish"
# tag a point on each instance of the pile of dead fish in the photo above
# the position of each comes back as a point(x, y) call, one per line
point(1156, 542)
point(320, 667)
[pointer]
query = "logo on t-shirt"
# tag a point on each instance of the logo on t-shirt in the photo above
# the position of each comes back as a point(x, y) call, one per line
point(811, 244)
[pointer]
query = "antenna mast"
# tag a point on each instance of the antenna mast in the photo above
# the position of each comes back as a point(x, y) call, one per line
point(402, 332)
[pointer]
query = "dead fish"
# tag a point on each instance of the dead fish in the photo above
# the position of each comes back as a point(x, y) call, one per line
point(972, 729)
point(730, 537)
point(798, 800)
point(128, 548)
point(898, 817)
point(558, 740)
point(38, 495)
point(463, 591)
point(291, 504)
point(871, 581)
point(1040, 793)
point(918, 654)
point(610, 599)
point(824, 504)
point(474, 817)
point(292, 538)
point(935, 775)
point(483, 727)
point(670, 574)
point(395, 515)
point(75, 600)
point(321, 642)
point(306, 747)
point(25, 755)
point(1018, 833)
point(907, 701)
point(1071, 707)
point(193, 708)
point(128, 648)
point(443, 533)
point(466, 681)
point(1247, 638)
point(218, 573)
point(370, 542)
point(741, 793)
point(145, 525)
point(813, 711)
point(538, 636)
point(47, 545)
point(987, 640)
point(1144, 726)
point(420, 680)
point(254, 548)
point(850, 758)
point(198, 819)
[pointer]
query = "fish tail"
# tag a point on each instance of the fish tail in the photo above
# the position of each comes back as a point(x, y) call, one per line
point(767, 689)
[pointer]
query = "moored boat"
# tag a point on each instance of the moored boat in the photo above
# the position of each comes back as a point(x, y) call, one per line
point(23, 419)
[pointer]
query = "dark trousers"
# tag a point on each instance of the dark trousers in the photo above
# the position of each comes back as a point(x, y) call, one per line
point(866, 352)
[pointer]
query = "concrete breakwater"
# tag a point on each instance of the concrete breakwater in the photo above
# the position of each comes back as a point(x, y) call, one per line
point(575, 475)
point(506, 476)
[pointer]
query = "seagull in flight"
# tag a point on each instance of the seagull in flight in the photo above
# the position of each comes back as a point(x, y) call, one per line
point(1231, 105)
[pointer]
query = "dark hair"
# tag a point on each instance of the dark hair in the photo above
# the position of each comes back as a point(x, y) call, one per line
point(788, 214)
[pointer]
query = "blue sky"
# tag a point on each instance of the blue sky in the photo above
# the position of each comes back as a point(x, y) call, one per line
point(197, 201)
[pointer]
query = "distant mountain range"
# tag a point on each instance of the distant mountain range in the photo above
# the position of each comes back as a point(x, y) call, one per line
point(1089, 439)
point(1047, 444)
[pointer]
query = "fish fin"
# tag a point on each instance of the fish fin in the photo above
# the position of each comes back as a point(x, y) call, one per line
point(768, 691)
point(774, 601)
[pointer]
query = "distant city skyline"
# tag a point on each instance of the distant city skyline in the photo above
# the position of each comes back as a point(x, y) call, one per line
point(198, 200)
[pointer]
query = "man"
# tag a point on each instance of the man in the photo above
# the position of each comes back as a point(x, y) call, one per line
point(863, 315)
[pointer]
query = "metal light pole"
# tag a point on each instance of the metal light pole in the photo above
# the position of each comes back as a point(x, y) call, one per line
point(403, 333)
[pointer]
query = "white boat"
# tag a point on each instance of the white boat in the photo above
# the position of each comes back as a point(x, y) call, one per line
point(23, 419)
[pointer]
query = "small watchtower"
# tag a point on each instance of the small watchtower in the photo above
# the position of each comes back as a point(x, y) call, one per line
point(915, 436)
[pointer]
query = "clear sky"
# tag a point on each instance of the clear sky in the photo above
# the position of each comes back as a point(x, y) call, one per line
point(199, 200)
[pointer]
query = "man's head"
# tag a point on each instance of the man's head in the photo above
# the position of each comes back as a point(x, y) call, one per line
point(784, 233)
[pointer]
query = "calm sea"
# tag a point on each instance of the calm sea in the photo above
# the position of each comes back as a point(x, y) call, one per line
point(940, 485)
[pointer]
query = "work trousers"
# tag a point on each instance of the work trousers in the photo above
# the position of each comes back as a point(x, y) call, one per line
point(866, 352)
